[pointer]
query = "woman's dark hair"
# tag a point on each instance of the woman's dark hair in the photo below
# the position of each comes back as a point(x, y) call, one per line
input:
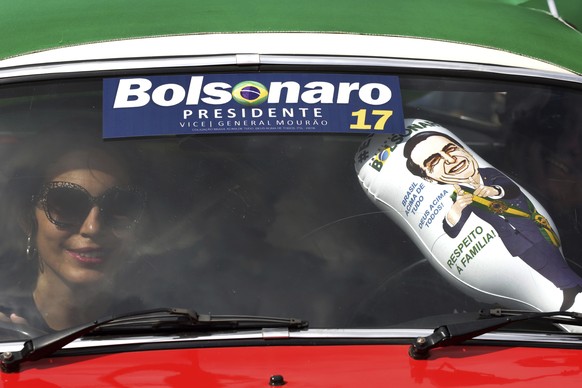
point(24, 169)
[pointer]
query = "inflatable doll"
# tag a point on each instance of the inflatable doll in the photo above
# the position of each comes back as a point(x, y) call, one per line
point(479, 229)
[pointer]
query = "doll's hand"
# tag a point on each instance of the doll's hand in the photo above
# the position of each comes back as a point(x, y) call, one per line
point(464, 199)
point(483, 191)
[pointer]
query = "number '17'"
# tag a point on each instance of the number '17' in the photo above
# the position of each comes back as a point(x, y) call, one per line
point(361, 114)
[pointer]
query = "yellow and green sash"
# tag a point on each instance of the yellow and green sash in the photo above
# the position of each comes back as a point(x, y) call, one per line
point(503, 209)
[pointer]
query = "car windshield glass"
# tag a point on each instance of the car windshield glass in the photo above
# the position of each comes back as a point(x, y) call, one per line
point(474, 205)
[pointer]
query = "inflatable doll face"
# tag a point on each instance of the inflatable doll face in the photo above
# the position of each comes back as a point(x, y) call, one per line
point(443, 160)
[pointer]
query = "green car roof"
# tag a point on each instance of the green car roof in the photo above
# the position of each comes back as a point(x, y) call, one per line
point(517, 26)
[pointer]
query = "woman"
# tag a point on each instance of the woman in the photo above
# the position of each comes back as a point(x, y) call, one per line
point(80, 229)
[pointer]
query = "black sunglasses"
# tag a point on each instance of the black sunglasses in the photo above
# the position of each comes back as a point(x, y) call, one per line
point(67, 205)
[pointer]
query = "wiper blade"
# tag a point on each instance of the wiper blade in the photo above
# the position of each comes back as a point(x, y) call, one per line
point(176, 319)
point(454, 334)
point(152, 320)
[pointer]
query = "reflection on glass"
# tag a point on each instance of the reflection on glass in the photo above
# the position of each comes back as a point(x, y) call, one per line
point(247, 224)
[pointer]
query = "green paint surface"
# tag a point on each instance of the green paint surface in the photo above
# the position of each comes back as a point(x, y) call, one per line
point(518, 26)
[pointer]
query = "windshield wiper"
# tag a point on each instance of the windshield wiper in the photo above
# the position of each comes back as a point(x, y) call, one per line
point(164, 319)
point(494, 319)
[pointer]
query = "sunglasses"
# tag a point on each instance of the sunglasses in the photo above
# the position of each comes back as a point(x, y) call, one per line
point(67, 205)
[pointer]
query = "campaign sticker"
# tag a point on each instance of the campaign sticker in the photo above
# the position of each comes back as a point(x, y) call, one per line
point(251, 103)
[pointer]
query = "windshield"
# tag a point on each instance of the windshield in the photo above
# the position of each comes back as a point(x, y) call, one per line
point(342, 229)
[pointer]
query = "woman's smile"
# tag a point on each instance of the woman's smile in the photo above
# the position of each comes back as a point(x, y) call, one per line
point(88, 255)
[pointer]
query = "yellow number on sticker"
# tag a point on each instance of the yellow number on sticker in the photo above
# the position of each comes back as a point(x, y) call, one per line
point(384, 116)
point(361, 121)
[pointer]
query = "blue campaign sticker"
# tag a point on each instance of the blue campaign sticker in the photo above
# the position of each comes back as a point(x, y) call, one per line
point(249, 102)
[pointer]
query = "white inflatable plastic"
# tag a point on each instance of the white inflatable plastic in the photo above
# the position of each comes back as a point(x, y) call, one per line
point(479, 229)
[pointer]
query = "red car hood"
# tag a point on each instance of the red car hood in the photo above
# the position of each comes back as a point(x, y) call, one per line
point(307, 366)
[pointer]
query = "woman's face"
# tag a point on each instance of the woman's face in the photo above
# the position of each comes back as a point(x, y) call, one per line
point(86, 253)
